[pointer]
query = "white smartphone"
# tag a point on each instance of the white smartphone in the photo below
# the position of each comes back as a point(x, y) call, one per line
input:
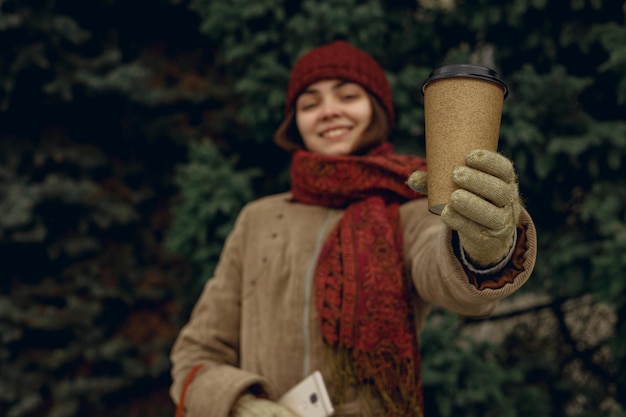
point(309, 397)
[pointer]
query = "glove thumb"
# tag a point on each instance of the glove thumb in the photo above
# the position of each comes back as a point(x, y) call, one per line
point(417, 181)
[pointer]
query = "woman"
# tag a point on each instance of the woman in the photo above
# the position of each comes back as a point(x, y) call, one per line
point(338, 274)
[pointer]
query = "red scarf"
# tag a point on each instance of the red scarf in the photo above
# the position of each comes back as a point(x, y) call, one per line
point(363, 294)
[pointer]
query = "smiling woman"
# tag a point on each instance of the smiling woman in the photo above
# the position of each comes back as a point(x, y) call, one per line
point(337, 275)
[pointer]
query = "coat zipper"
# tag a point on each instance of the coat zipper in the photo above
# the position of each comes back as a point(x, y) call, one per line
point(308, 293)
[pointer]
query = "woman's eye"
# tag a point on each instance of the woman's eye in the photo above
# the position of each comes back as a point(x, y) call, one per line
point(349, 95)
point(307, 105)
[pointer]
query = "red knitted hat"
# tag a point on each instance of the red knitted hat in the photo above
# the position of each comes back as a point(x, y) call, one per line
point(340, 60)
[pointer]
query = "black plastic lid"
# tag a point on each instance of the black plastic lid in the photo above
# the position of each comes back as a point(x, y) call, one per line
point(467, 71)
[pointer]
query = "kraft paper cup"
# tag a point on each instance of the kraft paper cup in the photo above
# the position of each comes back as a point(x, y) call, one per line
point(462, 111)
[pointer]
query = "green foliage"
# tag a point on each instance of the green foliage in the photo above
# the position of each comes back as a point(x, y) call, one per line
point(465, 377)
point(212, 192)
point(100, 139)
point(612, 37)
point(94, 116)
point(75, 319)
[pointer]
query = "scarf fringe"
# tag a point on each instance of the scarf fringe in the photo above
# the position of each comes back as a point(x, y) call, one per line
point(393, 387)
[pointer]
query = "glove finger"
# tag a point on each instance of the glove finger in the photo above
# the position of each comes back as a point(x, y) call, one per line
point(417, 181)
point(285, 413)
point(492, 163)
point(485, 185)
point(479, 210)
point(456, 221)
point(251, 406)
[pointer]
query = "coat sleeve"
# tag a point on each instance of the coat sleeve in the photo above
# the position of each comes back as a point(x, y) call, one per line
point(438, 274)
point(211, 339)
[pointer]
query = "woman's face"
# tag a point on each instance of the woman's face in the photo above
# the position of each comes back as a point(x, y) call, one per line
point(331, 116)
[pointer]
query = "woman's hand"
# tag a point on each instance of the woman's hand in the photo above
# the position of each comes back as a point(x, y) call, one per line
point(485, 209)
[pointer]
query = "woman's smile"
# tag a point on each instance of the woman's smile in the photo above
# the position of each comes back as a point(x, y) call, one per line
point(335, 133)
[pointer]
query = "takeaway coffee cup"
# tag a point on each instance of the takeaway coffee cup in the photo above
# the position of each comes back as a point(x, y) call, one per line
point(462, 112)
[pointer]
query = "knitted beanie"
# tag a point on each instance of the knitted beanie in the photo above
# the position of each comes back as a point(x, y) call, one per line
point(340, 60)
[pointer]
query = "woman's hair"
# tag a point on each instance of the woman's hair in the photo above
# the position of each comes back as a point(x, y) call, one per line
point(288, 137)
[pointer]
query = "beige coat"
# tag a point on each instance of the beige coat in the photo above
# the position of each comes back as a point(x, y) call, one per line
point(255, 323)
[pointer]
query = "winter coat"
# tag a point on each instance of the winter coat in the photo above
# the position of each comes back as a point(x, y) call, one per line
point(255, 325)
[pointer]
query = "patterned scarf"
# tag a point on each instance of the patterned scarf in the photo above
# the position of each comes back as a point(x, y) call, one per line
point(363, 294)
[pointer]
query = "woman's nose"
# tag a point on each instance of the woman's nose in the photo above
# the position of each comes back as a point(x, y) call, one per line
point(329, 109)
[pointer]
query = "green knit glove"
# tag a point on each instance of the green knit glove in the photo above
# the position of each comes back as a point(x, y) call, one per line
point(485, 209)
point(250, 406)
